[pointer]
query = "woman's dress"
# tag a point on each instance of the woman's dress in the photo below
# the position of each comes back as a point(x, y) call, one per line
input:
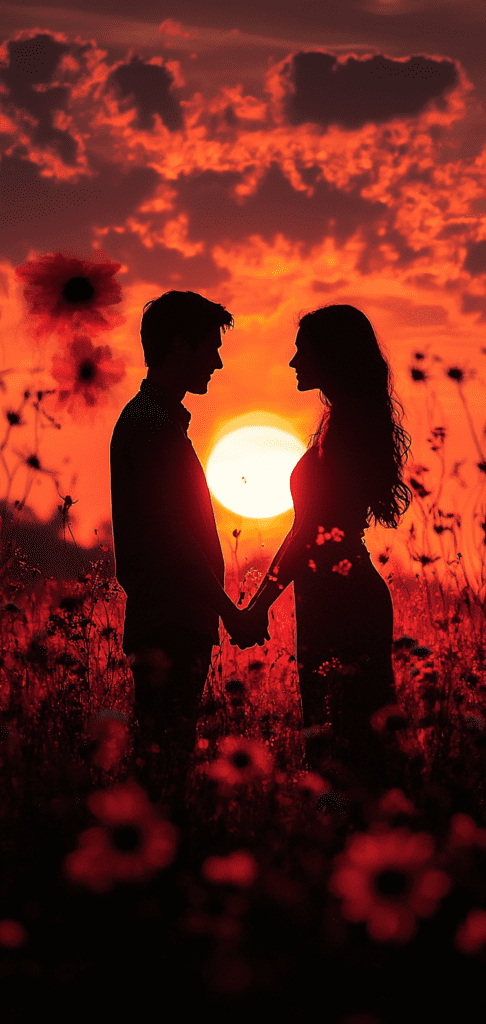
point(343, 607)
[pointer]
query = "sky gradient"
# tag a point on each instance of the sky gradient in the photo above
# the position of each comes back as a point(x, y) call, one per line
point(273, 159)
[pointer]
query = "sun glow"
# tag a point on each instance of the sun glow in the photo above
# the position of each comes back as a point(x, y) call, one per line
point(248, 470)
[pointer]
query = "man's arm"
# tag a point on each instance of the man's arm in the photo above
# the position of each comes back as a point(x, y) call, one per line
point(164, 517)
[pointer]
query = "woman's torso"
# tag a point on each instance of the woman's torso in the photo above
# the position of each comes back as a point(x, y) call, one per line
point(340, 597)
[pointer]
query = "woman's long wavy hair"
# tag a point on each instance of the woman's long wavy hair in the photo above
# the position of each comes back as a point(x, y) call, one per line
point(365, 424)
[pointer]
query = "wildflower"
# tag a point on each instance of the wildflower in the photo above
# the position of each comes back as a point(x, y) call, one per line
point(386, 878)
point(395, 802)
point(63, 292)
point(109, 732)
point(311, 784)
point(343, 567)
point(455, 373)
point(328, 666)
point(463, 832)
point(312, 565)
point(87, 372)
point(238, 868)
point(12, 934)
point(387, 719)
point(470, 937)
point(131, 844)
point(14, 419)
point(240, 761)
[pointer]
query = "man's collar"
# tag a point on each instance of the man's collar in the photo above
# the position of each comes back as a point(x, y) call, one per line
point(177, 411)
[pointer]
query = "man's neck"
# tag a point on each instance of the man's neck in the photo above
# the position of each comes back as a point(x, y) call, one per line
point(172, 390)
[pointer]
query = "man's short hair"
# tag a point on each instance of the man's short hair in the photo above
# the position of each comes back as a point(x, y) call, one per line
point(185, 313)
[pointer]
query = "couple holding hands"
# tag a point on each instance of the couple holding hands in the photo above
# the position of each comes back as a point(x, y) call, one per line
point(167, 550)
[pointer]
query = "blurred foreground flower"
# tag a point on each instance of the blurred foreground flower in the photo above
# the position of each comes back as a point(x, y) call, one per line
point(64, 292)
point(86, 374)
point(240, 761)
point(386, 878)
point(470, 937)
point(238, 868)
point(130, 845)
point(12, 934)
point(388, 719)
point(109, 731)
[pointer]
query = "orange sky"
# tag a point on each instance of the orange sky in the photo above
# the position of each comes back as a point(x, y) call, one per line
point(271, 170)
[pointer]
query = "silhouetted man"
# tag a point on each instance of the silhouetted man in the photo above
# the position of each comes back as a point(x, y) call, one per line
point(167, 551)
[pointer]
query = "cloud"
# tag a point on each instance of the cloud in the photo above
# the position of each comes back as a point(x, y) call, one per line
point(28, 78)
point(321, 88)
point(475, 262)
point(148, 85)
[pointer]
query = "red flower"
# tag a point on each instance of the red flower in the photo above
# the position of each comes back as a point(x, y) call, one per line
point(238, 868)
point(310, 784)
point(12, 934)
point(109, 731)
point(66, 292)
point(86, 373)
point(240, 761)
point(470, 937)
point(130, 845)
point(386, 878)
point(343, 567)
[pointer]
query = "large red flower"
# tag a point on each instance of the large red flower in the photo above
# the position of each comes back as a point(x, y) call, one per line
point(386, 877)
point(86, 374)
point(66, 292)
point(240, 761)
point(131, 844)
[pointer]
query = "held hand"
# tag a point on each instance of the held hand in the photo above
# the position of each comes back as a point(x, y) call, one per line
point(251, 628)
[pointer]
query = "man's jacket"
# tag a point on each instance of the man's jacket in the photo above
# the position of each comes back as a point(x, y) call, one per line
point(165, 537)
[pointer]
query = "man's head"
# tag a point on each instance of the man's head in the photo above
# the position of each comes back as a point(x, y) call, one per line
point(181, 335)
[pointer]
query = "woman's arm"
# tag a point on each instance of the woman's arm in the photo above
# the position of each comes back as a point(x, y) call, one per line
point(284, 567)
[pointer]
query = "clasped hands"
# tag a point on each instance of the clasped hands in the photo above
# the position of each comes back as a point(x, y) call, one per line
point(249, 626)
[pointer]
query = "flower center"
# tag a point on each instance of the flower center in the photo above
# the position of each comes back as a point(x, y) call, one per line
point(78, 289)
point(125, 837)
point(241, 760)
point(87, 370)
point(391, 883)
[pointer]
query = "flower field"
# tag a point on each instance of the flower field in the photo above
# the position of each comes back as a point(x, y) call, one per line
point(293, 891)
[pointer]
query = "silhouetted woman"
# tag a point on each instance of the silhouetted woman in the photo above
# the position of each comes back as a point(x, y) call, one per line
point(350, 473)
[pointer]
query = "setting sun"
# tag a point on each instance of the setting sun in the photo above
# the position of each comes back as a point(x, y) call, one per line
point(248, 470)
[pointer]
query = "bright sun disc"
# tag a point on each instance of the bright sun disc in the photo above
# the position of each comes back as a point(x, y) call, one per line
point(249, 470)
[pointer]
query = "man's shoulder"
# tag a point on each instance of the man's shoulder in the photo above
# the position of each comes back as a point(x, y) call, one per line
point(142, 407)
point(143, 422)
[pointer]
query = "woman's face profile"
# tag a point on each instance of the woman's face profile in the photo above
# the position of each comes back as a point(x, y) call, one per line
point(310, 375)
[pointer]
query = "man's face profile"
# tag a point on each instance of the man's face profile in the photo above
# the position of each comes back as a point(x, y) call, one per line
point(203, 362)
